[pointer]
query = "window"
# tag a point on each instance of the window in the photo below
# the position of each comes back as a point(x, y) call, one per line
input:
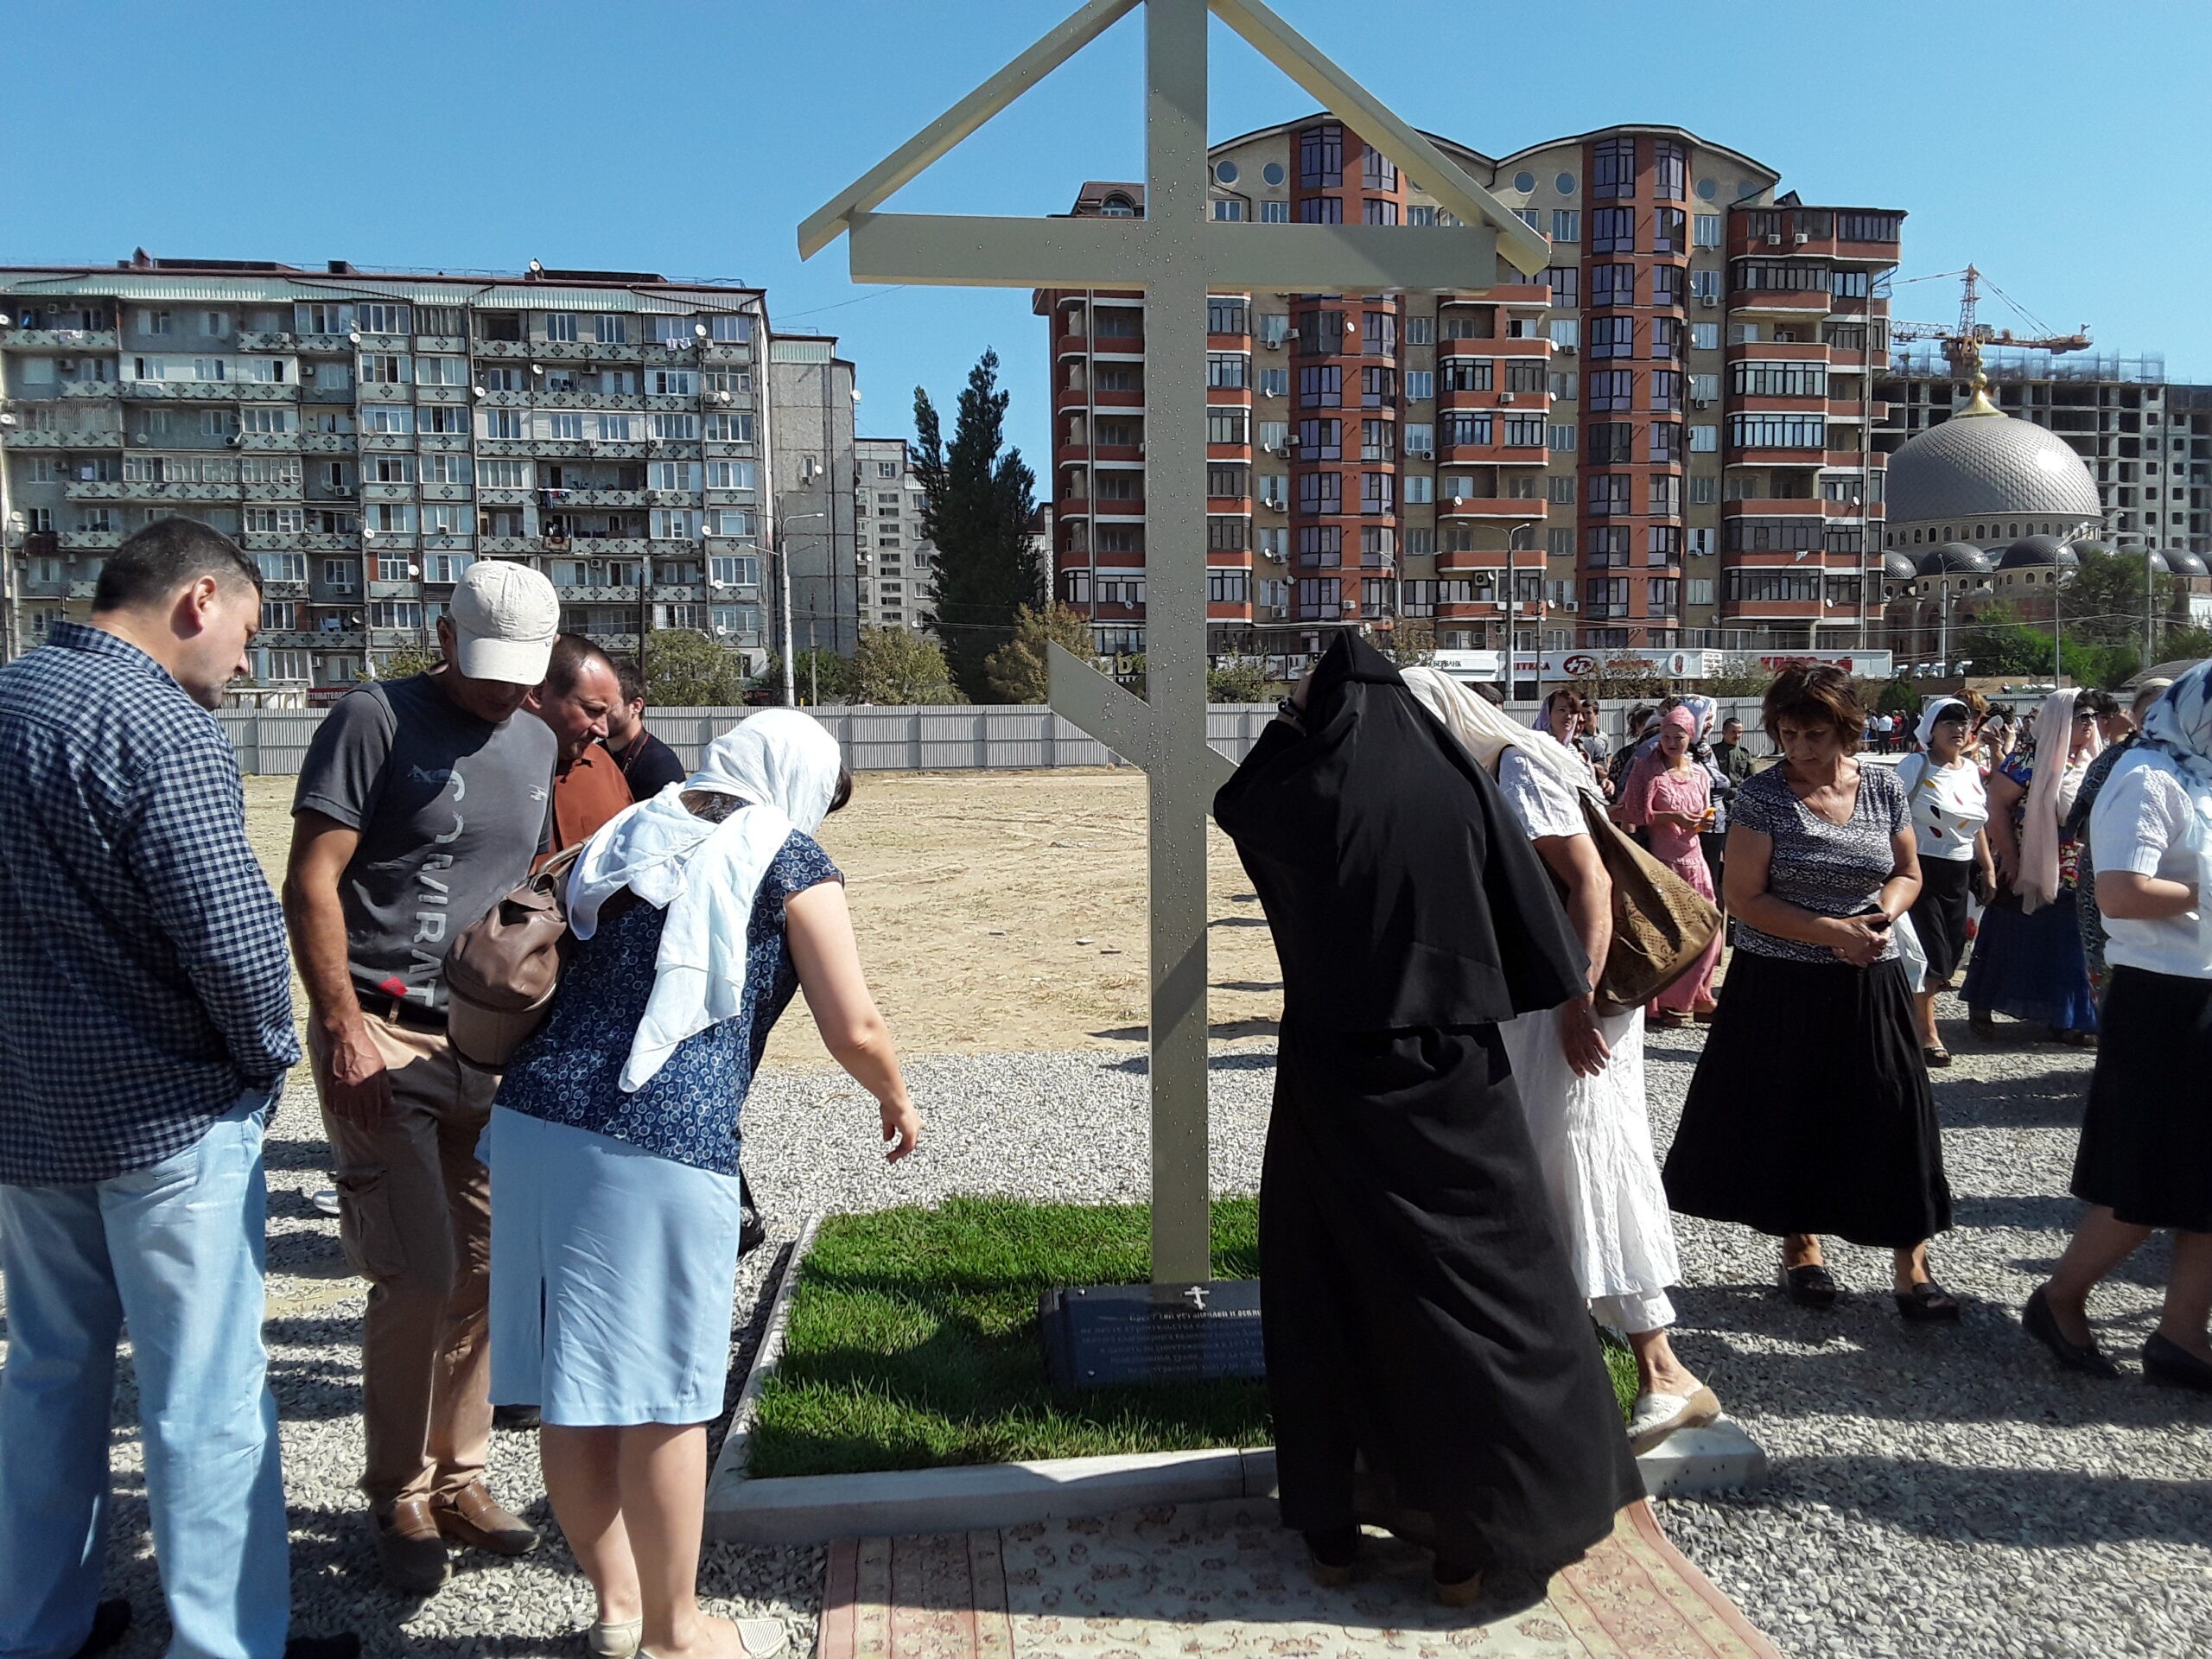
point(1566, 225)
point(1227, 317)
point(1612, 337)
point(1705, 229)
point(1666, 390)
point(1666, 339)
point(1773, 534)
point(666, 427)
point(1321, 156)
point(1223, 425)
point(1418, 487)
point(1612, 285)
point(1665, 448)
point(1565, 332)
point(1228, 587)
point(1319, 440)
point(1420, 215)
point(1848, 284)
point(1320, 493)
point(1758, 378)
point(1669, 171)
point(1226, 368)
point(388, 469)
point(731, 476)
point(1226, 534)
point(341, 576)
point(1420, 331)
point(1378, 211)
point(1467, 373)
point(494, 423)
point(1611, 388)
point(1420, 385)
point(1702, 488)
point(452, 422)
point(1662, 543)
point(610, 329)
point(1378, 334)
point(1559, 544)
point(1420, 438)
point(1778, 431)
point(1777, 275)
point(1565, 283)
point(672, 383)
point(1612, 169)
point(560, 325)
point(1607, 494)
point(1227, 482)
point(672, 475)
point(269, 420)
point(1275, 383)
point(736, 428)
point(441, 370)
point(1705, 336)
point(1378, 388)
point(1462, 430)
point(729, 327)
point(1560, 438)
point(565, 428)
point(1612, 230)
point(1318, 598)
point(1770, 587)
point(673, 524)
point(745, 522)
point(1525, 432)
point(1662, 596)
point(1470, 322)
point(1321, 210)
point(1704, 439)
point(1320, 388)
point(1610, 441)
point(279, 567)
point(1867, 227)
point(1274, 212)
point(1667, 285)
point(1667, 231)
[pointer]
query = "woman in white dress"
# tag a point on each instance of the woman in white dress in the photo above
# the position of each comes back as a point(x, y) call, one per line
point(1580, 1074)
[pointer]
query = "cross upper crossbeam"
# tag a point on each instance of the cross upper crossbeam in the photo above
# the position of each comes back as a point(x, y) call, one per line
point(978, 249)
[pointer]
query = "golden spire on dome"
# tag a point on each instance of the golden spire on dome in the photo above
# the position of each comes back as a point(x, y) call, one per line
point(1978, 402)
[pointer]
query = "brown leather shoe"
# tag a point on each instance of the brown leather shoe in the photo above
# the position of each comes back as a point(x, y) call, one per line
point(408, 1549)
point(471, 1517)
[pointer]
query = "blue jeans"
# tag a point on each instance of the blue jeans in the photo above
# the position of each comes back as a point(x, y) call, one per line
point(176, 1250)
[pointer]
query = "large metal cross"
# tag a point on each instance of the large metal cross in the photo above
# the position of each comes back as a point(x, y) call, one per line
point(1177, 255)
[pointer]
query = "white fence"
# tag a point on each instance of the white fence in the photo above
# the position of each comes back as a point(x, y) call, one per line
point(273, 741)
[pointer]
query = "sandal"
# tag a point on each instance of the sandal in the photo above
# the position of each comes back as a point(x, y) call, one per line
point(1457, 1586)
point(1928, 1303)
point(2075, 1039)
point(1982, 1023)
point(1705, 1016)
point(1937, 1057)
point(1812, 1286)
point(1332, 1554)
point(1670, 1020)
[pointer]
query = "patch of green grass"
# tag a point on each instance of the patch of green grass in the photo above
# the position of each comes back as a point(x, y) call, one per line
point(914, 1344)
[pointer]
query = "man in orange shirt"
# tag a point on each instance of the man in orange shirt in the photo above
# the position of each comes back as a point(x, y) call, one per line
point(580, 690)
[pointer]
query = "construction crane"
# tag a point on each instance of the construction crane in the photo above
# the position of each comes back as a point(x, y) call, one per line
point(1962, 342)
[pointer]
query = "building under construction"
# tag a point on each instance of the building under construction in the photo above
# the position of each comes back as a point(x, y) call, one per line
point(2147, 442)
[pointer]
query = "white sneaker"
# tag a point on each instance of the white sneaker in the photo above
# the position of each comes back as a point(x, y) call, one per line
point(1658, 1416)
point(615, 1639)
point(763, 1637)
point(324, 1200)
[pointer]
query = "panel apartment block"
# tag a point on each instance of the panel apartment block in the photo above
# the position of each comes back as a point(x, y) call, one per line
point(367, 435)
point(1662, 439)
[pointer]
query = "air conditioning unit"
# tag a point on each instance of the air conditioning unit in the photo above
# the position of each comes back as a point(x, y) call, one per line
point(65, 366)
point(1775, 241)
point(1271, 345)
point(1571, 605)
point(1700, 403)
point(1708, 300)
point(1803, 238)
point(1272, 506)
point(1505, 396)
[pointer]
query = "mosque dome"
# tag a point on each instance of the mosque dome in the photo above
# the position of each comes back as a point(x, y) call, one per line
point(2036, 551)
point(1953, 558)
point(1982, 462)
point(1899, 566)
point(2182, 562)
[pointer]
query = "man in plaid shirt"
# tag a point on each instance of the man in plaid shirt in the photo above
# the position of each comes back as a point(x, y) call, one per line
point(145, 1030)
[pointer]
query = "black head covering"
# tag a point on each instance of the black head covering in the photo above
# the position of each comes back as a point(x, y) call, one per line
point(1401, 888)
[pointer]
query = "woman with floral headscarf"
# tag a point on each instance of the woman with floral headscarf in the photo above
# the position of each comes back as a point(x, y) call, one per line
point(2145, 1158)
point(1673, 801)
point(2027, 958)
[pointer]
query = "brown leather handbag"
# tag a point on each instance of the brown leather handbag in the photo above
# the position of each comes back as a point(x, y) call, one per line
point(1661, 924)
point(502, 971)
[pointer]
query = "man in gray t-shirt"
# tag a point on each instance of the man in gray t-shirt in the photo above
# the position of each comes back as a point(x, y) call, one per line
point(421, 802)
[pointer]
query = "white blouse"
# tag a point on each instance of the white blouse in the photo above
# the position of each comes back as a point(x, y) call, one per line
point(1949, 805)
point(2146, 820)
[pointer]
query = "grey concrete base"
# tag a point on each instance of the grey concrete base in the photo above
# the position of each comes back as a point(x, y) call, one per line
point(1720, 1458)
point(817, 1509)
point(728, 1476)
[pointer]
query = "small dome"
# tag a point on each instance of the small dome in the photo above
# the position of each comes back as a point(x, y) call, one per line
point(1953, 558)
point(1899, 566)
point(2039, 550)
point(2182, 562)
point(2158, 560)
point(1989, 466)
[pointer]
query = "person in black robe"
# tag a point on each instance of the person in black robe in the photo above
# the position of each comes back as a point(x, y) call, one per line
point(1431, 1367)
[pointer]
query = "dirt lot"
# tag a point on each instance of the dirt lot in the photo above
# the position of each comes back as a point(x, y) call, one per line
point(997, 911)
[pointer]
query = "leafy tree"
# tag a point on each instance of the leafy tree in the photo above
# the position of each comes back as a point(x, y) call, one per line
point(1898, 697)
point(896, 665)
point(1411, 644)
point(976, 505)
point(2184, 644)
point(818, 675)
point(408, 659)
point(1749, 681)
point(1239, 679)
point(1017, 670)
point(2101, 602)
point(686, 670)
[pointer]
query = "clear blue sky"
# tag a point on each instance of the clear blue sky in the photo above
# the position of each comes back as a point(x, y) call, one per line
point(2032, 139)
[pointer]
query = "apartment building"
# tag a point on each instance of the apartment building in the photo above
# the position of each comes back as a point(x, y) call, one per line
point(1660, 441)
point(367, 435)
point(2146, 442)
point(896, 576)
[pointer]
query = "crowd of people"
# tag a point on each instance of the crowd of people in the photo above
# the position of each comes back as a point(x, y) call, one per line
point(562, 1238)
point(1460, 1185)
point(1431, 974)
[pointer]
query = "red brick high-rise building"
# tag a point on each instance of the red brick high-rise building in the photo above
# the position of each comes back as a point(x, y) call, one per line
point(1662, 441)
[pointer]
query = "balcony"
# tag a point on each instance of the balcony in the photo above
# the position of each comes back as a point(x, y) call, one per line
point(505, 498)
point(58, 340)
point(451, 345)
point(1802, 303)
point(386, 391)
point(87, 389)
point(189, 391)
point(321, 443)
point(574, 594)
point(380, 492)
point(88, 541)
point(265, 339)
point(289, 442)
point(265, 392)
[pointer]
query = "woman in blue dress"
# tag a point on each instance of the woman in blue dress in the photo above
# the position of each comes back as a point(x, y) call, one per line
point(615, 1203)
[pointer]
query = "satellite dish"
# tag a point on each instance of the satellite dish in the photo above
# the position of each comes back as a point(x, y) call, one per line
point(537, 268)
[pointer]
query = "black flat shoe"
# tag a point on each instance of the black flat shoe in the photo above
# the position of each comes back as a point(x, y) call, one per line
point(1936, 1058)
point(2086, 1358)
point(1334, 1553)
point(2170, 1363)
point(1983, 1024)
point(1809, 1287)
point(1928, 1303)
point(109, 1620)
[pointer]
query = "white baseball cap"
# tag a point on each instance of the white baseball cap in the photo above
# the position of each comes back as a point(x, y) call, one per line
point(504, 617)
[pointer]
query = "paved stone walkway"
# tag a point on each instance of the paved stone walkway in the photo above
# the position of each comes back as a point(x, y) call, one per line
point(1226, 1581)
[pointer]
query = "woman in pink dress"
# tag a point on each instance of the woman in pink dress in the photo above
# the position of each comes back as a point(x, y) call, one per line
point(1675, 801)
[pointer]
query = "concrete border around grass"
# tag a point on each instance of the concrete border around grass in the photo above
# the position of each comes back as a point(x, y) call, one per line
point(822, 1509)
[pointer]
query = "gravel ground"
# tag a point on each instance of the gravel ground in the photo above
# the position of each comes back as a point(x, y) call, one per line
point(1933, 1492)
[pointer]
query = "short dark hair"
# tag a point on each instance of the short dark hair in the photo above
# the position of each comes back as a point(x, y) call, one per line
point(570, 653)
point(1814, 693)
point(1490, 694)
point(164, 556)
point(1732, 720)
point(843, 792)
point(632, 678)
point(2100, 704)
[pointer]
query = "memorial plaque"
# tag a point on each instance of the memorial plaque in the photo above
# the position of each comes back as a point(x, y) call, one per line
point(1096, 1335)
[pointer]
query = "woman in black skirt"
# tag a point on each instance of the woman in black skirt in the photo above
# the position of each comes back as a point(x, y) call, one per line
point(1810, 1111)
point(2145, 1160)
point(1944, 797)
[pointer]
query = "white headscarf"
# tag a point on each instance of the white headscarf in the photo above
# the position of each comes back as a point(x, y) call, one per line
point(2051, 788)
point(1930, 708)
point(1485, 733)
point(705, 876)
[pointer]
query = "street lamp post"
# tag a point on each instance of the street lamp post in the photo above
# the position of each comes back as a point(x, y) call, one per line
point(1943, 621)
point(784, 598)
